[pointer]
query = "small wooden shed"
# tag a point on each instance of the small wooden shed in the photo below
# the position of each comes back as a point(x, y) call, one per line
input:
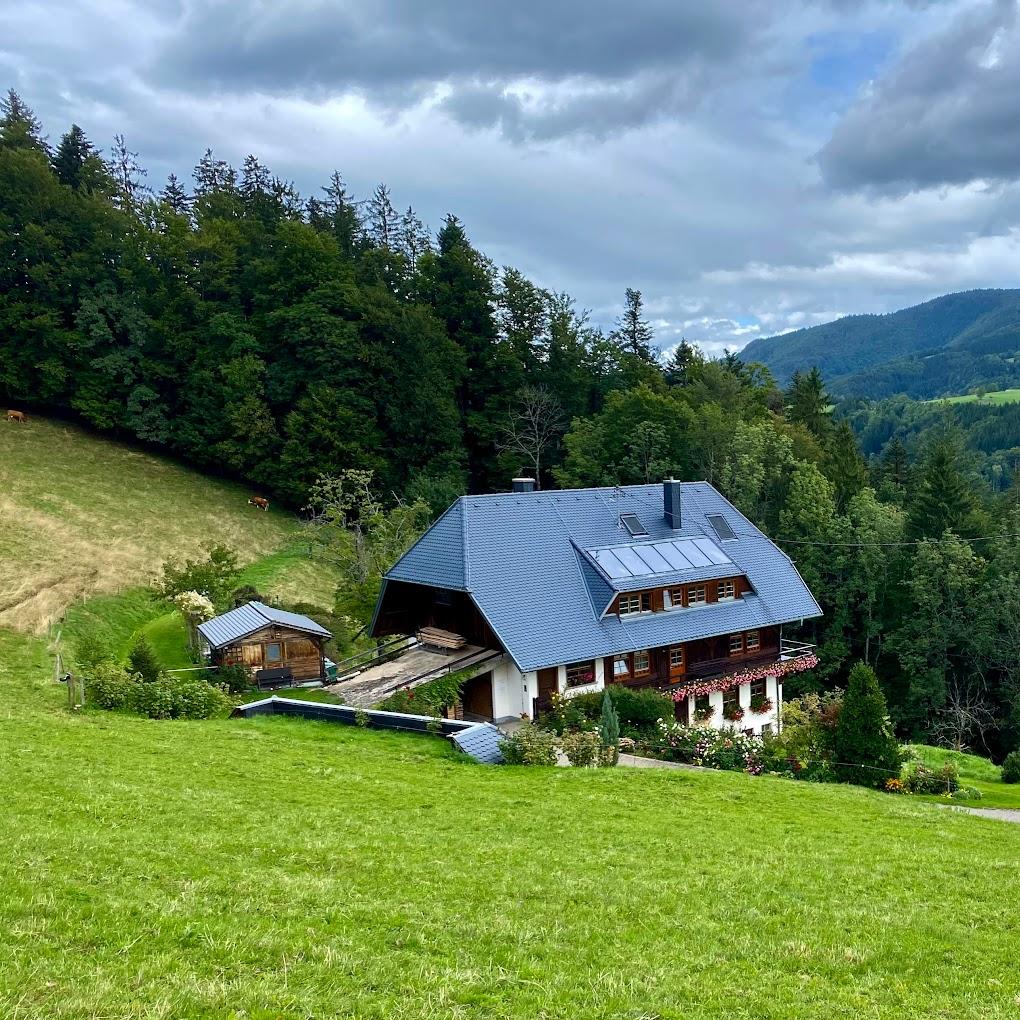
point(263, 638)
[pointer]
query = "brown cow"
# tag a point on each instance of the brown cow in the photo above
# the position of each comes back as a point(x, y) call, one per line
point(259, 502)
point(18, 416)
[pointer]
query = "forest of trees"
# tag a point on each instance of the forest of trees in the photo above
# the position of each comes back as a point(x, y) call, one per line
point(277, 338)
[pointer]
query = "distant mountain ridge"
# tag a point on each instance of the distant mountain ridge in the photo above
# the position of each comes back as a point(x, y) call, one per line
point(944, 346)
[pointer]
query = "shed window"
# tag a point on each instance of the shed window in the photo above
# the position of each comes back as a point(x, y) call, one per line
point(727, 590)
point(580, 673)
point(274, 651)
point(637, 602)
point(696, 595)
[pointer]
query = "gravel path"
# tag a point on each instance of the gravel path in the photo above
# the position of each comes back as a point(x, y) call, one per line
point(1002, 814)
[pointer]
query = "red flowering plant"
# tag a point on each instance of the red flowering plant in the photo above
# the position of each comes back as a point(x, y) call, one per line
point(761, 705)
point(734, 713)
point(724, 683)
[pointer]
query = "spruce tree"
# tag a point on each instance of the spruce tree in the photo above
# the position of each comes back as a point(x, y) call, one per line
point(807, 403)
point(609, 730)
point(19, 126)
point(845, 466)
point(77, 162)
point(633, 334)
point(142, 660)
point(864, 748)
point(943, 500)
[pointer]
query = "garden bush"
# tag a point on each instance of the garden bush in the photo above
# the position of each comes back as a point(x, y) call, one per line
point(638, 711)
point(91, 650)
point(583, 748)
point(923, 779)
point(714, 749)
point(109, 686)
point(1011, 768)
point(430, 698)
point(529, 745)
point(236, 678)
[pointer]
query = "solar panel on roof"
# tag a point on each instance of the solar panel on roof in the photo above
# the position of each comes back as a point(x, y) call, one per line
point(633, 524)
point(647, 559)
point(721, 527)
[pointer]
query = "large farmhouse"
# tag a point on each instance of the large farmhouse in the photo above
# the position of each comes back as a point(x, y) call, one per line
point(647, 585)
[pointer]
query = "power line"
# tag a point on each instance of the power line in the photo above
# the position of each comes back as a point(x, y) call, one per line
point(888, 545)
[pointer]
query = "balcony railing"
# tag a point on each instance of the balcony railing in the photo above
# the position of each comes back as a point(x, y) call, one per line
point(790, 649)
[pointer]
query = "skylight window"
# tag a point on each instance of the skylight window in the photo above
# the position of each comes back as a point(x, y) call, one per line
point(646, 559)
point(721, 527)
point(633, 525)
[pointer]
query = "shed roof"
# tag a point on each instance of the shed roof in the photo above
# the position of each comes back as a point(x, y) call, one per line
point(252, 617)
point(534, 564)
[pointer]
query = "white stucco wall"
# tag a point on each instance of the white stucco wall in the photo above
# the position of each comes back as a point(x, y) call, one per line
point(773, 690)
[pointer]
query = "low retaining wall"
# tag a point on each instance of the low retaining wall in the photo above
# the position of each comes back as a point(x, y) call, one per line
point(479, 740)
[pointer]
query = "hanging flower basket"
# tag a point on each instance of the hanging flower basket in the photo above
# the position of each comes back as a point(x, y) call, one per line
point(724, 683)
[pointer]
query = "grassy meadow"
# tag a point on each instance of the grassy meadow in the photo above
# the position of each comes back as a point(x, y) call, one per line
point(1010, 396)
point(281, 869)
point(276, 869)
point(82, 515)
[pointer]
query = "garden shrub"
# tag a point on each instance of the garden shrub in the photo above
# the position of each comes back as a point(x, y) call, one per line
point(864, 748)
point(236, 678)
point(638, 711)
point(923, 779)
point(430, 698)
point(529, 745)
point(1011, 767)
point(156, 699)
point(91, 650)
point(583, 748)
point(714, 749)
point(142, 660)
point(109, 686)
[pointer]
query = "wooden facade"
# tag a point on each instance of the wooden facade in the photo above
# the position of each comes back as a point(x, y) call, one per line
point(409, 607)
point(277, 647)
point(694, 660)
point(686, 596)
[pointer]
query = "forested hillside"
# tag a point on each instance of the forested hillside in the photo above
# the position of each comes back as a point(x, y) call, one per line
point(938, 348)
point(282, 339)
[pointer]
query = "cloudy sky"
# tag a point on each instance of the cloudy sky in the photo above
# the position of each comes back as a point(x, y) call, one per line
point(751, 165)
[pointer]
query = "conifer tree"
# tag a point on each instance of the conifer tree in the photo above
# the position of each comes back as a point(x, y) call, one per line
point(865, 750)
point(633, 333)
point(807, 403)
point(19, 126)
point(845, 466)
point(175, 197)
point(78, 164)
point(609, 730)
point(942, 499)
point(142, 660)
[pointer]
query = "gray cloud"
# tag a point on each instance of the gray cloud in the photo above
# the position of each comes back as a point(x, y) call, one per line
point(948, 114)
point(531, 68)
point(593, 147)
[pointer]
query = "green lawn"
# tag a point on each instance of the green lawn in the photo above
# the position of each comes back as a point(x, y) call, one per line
point(278, 868)
point(995, 397)
point(974, 771)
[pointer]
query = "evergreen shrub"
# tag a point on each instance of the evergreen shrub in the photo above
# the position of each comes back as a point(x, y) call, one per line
point(1011, 768)
point(864, 749)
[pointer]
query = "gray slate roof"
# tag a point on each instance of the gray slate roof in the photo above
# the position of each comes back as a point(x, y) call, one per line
point(481, 742)
point(528, 561)
point(249, 618)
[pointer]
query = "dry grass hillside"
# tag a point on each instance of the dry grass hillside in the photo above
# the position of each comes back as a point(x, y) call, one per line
point(81, 515)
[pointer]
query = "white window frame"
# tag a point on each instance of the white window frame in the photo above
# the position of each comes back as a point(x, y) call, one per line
point(731, 587)
point(755, 636)
point(699, 588)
